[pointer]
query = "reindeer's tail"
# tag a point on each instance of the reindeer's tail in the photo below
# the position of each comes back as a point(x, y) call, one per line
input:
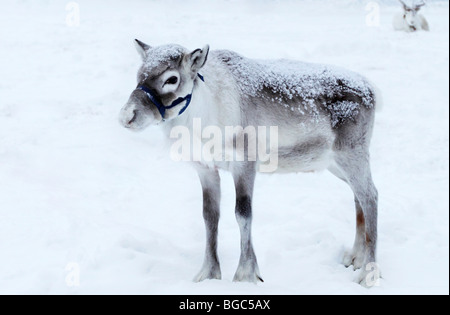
point(378, 97)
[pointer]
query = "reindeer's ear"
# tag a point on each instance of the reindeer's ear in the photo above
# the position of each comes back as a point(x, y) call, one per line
point(142, 48)
point(197, 58)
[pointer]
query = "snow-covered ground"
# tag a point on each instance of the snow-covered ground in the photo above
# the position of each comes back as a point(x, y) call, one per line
point(80, 195)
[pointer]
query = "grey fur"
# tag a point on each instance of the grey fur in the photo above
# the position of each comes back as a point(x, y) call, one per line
point(324, 115)
point(210, 181)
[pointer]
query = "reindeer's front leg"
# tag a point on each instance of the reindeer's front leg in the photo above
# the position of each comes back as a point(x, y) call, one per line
point(210, 180)
point(244, 178)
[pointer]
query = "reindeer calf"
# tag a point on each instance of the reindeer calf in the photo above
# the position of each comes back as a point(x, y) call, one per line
point(324, 116)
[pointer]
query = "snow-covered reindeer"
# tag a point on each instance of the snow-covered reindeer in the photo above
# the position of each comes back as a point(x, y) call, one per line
point(410, 20)
point(324, 116)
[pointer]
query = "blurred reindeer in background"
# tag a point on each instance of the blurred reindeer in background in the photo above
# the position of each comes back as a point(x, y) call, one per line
point(411, 20)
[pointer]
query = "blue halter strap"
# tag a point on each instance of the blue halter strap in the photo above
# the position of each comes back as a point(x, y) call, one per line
point(161, 108)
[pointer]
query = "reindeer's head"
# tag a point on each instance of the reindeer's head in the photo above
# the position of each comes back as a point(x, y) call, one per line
point(410, 13)
point(166, 80)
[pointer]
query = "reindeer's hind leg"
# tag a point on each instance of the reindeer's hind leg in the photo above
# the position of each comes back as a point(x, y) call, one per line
point(244, 178)
point(355, 168)
point(210, 180)
point(357, 255)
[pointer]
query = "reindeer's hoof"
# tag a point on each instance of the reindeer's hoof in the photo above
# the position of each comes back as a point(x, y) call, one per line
point(350, 258)
point(208, 274)
point(243, 275)
point(251, 278)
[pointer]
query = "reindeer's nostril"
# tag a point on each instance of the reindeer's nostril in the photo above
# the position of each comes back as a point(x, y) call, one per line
point(134, 117)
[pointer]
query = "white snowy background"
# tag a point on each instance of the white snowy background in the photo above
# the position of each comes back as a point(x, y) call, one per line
point(80, 193)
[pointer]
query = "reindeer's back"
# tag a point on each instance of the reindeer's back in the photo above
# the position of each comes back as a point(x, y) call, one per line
point(301, 88)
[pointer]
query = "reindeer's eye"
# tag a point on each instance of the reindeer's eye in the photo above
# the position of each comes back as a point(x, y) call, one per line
point(172, 80)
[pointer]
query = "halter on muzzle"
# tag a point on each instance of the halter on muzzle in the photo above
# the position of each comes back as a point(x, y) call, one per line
point(161, 108)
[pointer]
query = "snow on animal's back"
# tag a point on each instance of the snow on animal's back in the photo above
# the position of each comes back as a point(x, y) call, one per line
point(312, 83)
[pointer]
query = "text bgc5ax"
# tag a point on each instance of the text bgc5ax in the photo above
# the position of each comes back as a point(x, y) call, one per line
point(246, 305)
